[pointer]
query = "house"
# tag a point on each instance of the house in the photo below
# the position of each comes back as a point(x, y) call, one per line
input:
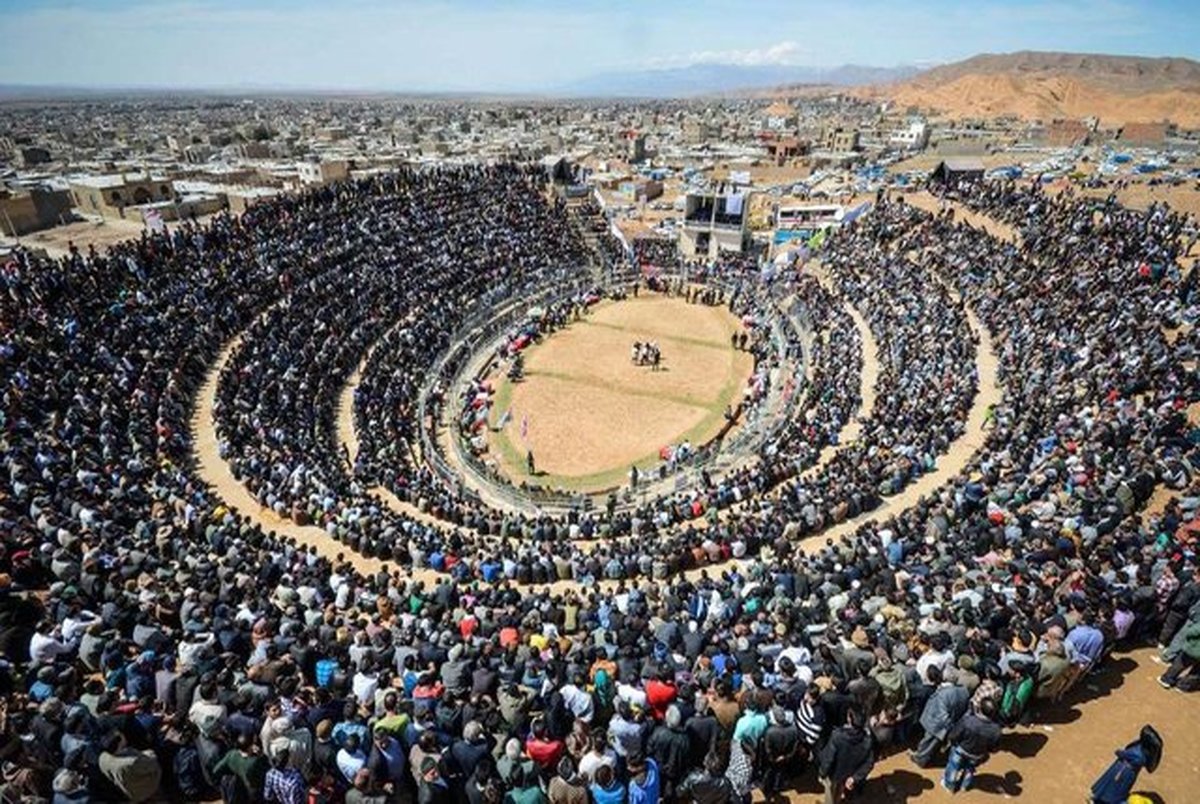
point(641, 189)
point(839, 140)
point(557, 168)
point(198, 153)
point(240, 199)
point(780, 116)
point(25, 211)
point(1144, 135)
point(1066, 133)
point(913, 137)
point(636, 144)
point(110, 195)
point(696, 132)
point(958, 169)
point(254, 150)
point(785, 148)
point(30, 155)
point(324, 172)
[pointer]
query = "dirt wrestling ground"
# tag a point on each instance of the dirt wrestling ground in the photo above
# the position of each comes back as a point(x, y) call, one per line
point(592, 413)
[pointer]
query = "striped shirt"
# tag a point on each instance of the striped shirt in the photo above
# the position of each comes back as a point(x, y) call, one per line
point(811, 720)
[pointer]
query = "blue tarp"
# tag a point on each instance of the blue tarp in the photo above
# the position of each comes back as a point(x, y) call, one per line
point(788, 235)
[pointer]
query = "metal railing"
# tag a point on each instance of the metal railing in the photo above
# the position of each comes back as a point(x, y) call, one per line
point(484, 328)
point(476, 331)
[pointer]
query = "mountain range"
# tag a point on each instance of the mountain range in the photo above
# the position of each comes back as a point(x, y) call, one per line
point(1026, 84)
point(705, 79)
point(1048, 86)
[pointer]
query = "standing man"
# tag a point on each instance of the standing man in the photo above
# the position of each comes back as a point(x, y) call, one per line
point(847, 759)
point(529, 464)
point(1177, 610)
point(945, 706)
point(973, 738)
point(284, 784)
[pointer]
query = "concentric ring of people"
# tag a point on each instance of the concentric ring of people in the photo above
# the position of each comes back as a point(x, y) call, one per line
point(549, 540)
point(228, 650)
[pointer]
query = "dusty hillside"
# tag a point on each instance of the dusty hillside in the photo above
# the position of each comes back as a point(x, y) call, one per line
point(1118, 89)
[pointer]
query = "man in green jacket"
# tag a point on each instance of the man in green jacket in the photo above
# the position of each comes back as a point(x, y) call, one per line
point(244, 764)
point(1184, 656)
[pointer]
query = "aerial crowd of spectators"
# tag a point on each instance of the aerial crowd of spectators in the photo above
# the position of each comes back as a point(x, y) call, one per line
point(159, 645)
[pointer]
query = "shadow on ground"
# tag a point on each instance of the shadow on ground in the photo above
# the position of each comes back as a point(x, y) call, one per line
point(1007, 785)
point(898, 786)
point(1023, 744)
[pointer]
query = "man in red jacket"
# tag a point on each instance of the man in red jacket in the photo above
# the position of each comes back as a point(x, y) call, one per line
point(661, 692)
point(542, 748)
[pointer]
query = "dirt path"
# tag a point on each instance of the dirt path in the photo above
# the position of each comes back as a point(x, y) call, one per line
point(931, 203)
point(345, 431)
point(347, 438)
point(955, 460)
point(215, 471)
point(868, 380)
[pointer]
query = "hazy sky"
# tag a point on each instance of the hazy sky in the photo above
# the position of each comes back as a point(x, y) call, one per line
point(529, 45)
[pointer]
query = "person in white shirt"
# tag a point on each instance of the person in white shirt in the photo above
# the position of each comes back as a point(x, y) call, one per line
point(576, 698)
point(599, 753)
point(46, 644)
point(206, 712)
point(351, 759)
point(192, 647)
point(633, 695)
point(76, 623)
point(939, 654)
point(365, 683)
point(796, 651)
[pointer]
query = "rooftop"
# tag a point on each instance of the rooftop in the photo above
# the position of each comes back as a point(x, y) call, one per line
point(963, 163)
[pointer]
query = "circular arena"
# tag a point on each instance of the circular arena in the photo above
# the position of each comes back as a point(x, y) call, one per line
point(374, 478)
point(590, 408)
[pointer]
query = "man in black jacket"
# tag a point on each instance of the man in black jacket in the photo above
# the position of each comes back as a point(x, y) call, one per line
point(1177, 611)
point(780, 745)
point(847, 759)
point(973, 737)
point(669, 745)
point(703, 731)
point(708, 785)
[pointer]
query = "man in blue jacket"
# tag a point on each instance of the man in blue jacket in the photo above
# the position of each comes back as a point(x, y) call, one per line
point(945, 706)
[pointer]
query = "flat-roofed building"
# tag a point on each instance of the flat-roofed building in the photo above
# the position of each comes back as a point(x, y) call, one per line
point(110, 195)
point(33, 209)
point(714, 223)
point(1145, 135)
point(323, 172)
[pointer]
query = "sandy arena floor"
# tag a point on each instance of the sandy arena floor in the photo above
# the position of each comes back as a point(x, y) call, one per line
point(592, 413)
